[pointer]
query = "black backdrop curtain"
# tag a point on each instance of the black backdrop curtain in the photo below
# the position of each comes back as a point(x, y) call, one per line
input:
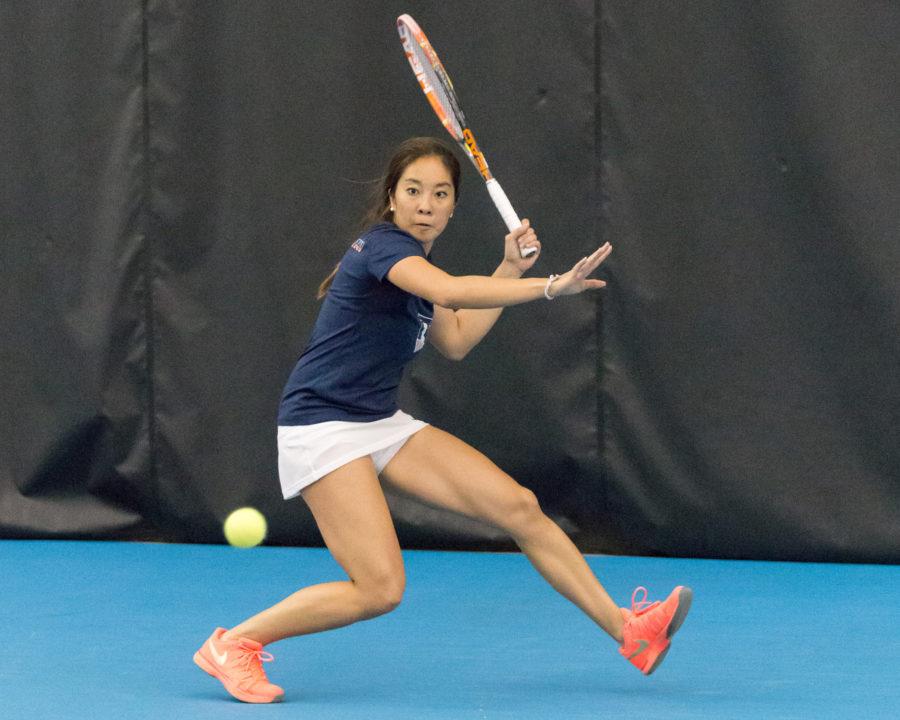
point(179, 176)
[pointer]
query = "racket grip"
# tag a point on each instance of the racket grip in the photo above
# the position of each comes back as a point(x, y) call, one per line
point(505, 208)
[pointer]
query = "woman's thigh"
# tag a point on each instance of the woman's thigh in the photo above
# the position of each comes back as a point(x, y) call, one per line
point(442, 470)
point(353, 517)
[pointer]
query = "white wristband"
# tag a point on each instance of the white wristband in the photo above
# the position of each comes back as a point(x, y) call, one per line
point(547, 287)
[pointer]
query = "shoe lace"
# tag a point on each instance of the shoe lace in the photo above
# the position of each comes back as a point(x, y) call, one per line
point(639, 607)
point(251, 662)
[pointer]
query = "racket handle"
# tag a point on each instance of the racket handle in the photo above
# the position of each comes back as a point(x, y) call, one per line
point(505, 208)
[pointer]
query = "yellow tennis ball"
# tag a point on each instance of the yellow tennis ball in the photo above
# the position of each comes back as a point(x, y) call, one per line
point(245, 527)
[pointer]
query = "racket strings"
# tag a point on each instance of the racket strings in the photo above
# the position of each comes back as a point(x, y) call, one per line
point(442, 93)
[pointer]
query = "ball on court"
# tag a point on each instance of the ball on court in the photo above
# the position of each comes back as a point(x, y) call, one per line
point(245, 527)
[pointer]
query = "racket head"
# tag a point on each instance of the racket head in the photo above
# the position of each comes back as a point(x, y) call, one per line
point(438, 89)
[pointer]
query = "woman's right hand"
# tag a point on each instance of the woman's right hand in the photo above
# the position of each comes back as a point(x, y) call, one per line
point(576, 280)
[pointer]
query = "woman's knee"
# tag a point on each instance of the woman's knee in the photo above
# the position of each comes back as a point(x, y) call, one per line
point(381, 594)
point(523, 513)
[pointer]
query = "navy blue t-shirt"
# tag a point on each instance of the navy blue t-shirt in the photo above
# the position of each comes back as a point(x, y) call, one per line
point(367, 331)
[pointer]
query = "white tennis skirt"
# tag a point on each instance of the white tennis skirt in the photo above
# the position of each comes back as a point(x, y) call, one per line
point(307, 452)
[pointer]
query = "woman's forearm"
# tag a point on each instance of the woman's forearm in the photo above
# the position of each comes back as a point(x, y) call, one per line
point(480, 292)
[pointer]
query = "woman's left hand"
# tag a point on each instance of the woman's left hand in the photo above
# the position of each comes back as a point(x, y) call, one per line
point(517, 240)
point(576, 280)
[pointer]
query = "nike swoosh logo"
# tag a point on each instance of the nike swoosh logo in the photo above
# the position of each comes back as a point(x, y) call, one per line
point(221, 659)
point(642, 645)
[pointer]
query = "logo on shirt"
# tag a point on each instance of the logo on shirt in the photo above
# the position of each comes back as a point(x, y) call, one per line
point(424, 322)
point(359, 245)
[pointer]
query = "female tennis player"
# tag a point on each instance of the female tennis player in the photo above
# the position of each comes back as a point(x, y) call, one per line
point(340, 429)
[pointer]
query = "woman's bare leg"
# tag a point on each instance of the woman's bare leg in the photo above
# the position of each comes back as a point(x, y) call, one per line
point(353, 517)
point(443, 471)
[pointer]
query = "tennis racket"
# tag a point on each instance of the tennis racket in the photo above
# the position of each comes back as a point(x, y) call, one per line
point(436, 85)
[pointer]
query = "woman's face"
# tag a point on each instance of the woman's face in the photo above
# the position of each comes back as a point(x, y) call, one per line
point(423, 199)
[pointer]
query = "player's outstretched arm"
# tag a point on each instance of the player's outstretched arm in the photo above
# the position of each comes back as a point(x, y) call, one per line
point(418, 276)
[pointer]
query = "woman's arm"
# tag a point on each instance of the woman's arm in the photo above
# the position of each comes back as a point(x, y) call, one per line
point(418, 276)
point(466, 308)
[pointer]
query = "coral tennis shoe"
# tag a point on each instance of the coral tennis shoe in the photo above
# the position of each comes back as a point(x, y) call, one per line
point(649, 627)
point(238, 665)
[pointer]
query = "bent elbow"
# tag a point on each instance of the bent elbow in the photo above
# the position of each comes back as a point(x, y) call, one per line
point(458, 354)
point(452, 352)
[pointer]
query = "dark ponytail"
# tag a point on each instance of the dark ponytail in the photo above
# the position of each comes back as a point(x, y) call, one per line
point(379, 209)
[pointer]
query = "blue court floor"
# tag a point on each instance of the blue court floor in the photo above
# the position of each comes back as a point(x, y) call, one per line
point(107, 630)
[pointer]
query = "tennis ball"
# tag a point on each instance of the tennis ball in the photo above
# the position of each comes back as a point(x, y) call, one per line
point(245, 527)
